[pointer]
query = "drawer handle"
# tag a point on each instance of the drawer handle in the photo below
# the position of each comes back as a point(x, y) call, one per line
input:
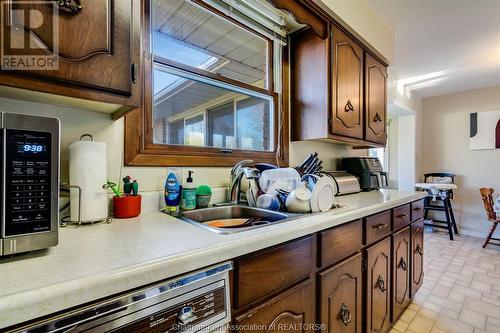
point(380, 226)
point(402, 264)
point(419, 250)
point(345, 315)
point(381, 284)
point(349, 107)
point(402, 216)
point(418, 209)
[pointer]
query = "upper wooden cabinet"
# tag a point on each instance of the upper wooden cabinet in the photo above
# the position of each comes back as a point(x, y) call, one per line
point(337, 90)
point(92, 51)
point(347, 86)
point(375, 100)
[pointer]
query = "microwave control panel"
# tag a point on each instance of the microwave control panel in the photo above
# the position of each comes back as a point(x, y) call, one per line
point(27, 182)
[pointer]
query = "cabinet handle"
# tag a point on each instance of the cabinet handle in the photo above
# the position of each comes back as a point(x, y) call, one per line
point(73, 6)
point(418, 209)
point(348, 107)
point(402, 216)
point(377, 117)
point(134, 73)
point(345, 315)
point(419, 250)
point(402, 264)
point(380, 226)
point(381, 284)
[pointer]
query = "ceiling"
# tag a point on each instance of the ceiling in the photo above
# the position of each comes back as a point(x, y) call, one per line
point(444, 46)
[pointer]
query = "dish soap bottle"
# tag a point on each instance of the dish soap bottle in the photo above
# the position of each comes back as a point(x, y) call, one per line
point(173, 190)
point(189, 194)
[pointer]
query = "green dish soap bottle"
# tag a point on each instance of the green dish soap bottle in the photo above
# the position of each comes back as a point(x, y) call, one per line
point(188, 201)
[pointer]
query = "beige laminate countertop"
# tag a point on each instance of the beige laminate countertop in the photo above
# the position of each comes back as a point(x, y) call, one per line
point(93, 262)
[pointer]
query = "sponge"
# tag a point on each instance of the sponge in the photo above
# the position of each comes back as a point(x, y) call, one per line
point(203, 190)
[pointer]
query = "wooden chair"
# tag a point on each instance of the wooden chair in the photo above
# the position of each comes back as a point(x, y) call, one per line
point(487, 195)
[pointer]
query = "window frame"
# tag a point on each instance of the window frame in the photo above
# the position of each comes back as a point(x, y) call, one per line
point(140, 149)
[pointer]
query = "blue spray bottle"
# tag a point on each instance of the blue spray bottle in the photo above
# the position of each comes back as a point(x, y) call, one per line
point(173, 191)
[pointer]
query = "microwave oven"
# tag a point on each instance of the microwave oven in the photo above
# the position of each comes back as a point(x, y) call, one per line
point(29, 182)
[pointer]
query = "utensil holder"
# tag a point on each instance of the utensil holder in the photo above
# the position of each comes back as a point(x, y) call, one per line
point(127, 206)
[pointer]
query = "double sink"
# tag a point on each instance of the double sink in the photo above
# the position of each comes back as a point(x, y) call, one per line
point(210, 218)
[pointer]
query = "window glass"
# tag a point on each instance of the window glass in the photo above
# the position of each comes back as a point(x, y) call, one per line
point(194, 131)
point(253, 124)
point(221, 131)
point(189, 112)
point(194, 36)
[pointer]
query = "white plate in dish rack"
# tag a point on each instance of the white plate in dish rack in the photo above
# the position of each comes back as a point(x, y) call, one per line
point(323, 195)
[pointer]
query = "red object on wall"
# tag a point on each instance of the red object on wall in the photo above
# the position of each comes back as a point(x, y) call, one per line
point(497, 136)
point(127, 206)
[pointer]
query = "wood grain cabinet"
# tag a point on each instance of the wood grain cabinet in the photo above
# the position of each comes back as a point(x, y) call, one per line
point(291, 311)
point(338, 90)
point(347, 86)
point(356, 277)
point(417, 256)
point(341, 297)
point(375, 100)
point(95, 48)
point(378, 282)
point(400, 272)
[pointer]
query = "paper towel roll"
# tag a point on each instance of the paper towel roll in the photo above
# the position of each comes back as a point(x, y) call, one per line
point(87, 169)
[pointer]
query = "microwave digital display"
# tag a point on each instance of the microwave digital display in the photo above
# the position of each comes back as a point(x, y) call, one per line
point(31, 148)
point(27, 182)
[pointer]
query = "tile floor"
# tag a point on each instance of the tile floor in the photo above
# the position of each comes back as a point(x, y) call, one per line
point(461, 289)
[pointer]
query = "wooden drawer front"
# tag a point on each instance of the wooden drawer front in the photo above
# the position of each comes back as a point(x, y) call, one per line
point(293, 311)
point(269, 271)
point(401, 217)
point(377, 227)
point(340, 242)
point(417, 256)
point(401, 272)
point(417, 210)
point(340, 295)
point(378, 287)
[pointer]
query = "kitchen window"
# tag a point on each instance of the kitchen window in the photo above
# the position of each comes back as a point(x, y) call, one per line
point(212, 84)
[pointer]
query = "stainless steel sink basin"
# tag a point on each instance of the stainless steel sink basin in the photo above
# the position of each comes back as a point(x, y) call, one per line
point(261, 217)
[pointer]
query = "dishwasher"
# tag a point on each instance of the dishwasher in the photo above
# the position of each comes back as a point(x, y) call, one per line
point(195, 302)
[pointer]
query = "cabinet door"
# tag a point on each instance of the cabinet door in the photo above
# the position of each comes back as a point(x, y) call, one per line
point(340, 295)
point(90, 47)
point(291, 311)
point(378, 281)
point(401, 272)
point(347, 86)
point(376, 100)
point(417, 256)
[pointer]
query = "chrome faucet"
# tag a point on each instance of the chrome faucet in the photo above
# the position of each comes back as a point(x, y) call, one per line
point(236, 176)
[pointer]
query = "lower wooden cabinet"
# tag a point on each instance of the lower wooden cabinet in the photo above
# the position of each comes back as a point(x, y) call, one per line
point(340, 297)
point(291, 311)
point(417, 256)
point(401, 272)
point(378, 281)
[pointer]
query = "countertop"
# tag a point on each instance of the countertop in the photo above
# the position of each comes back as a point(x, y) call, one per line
point(96, 261)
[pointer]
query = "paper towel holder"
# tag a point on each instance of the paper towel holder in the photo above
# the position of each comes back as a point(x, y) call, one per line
point(66, 219)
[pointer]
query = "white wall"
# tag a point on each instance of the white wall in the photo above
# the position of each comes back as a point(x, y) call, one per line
point(446, 148)
point(406, 152)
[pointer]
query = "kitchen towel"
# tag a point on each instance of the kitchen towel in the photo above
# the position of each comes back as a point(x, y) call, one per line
point(87, 169)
